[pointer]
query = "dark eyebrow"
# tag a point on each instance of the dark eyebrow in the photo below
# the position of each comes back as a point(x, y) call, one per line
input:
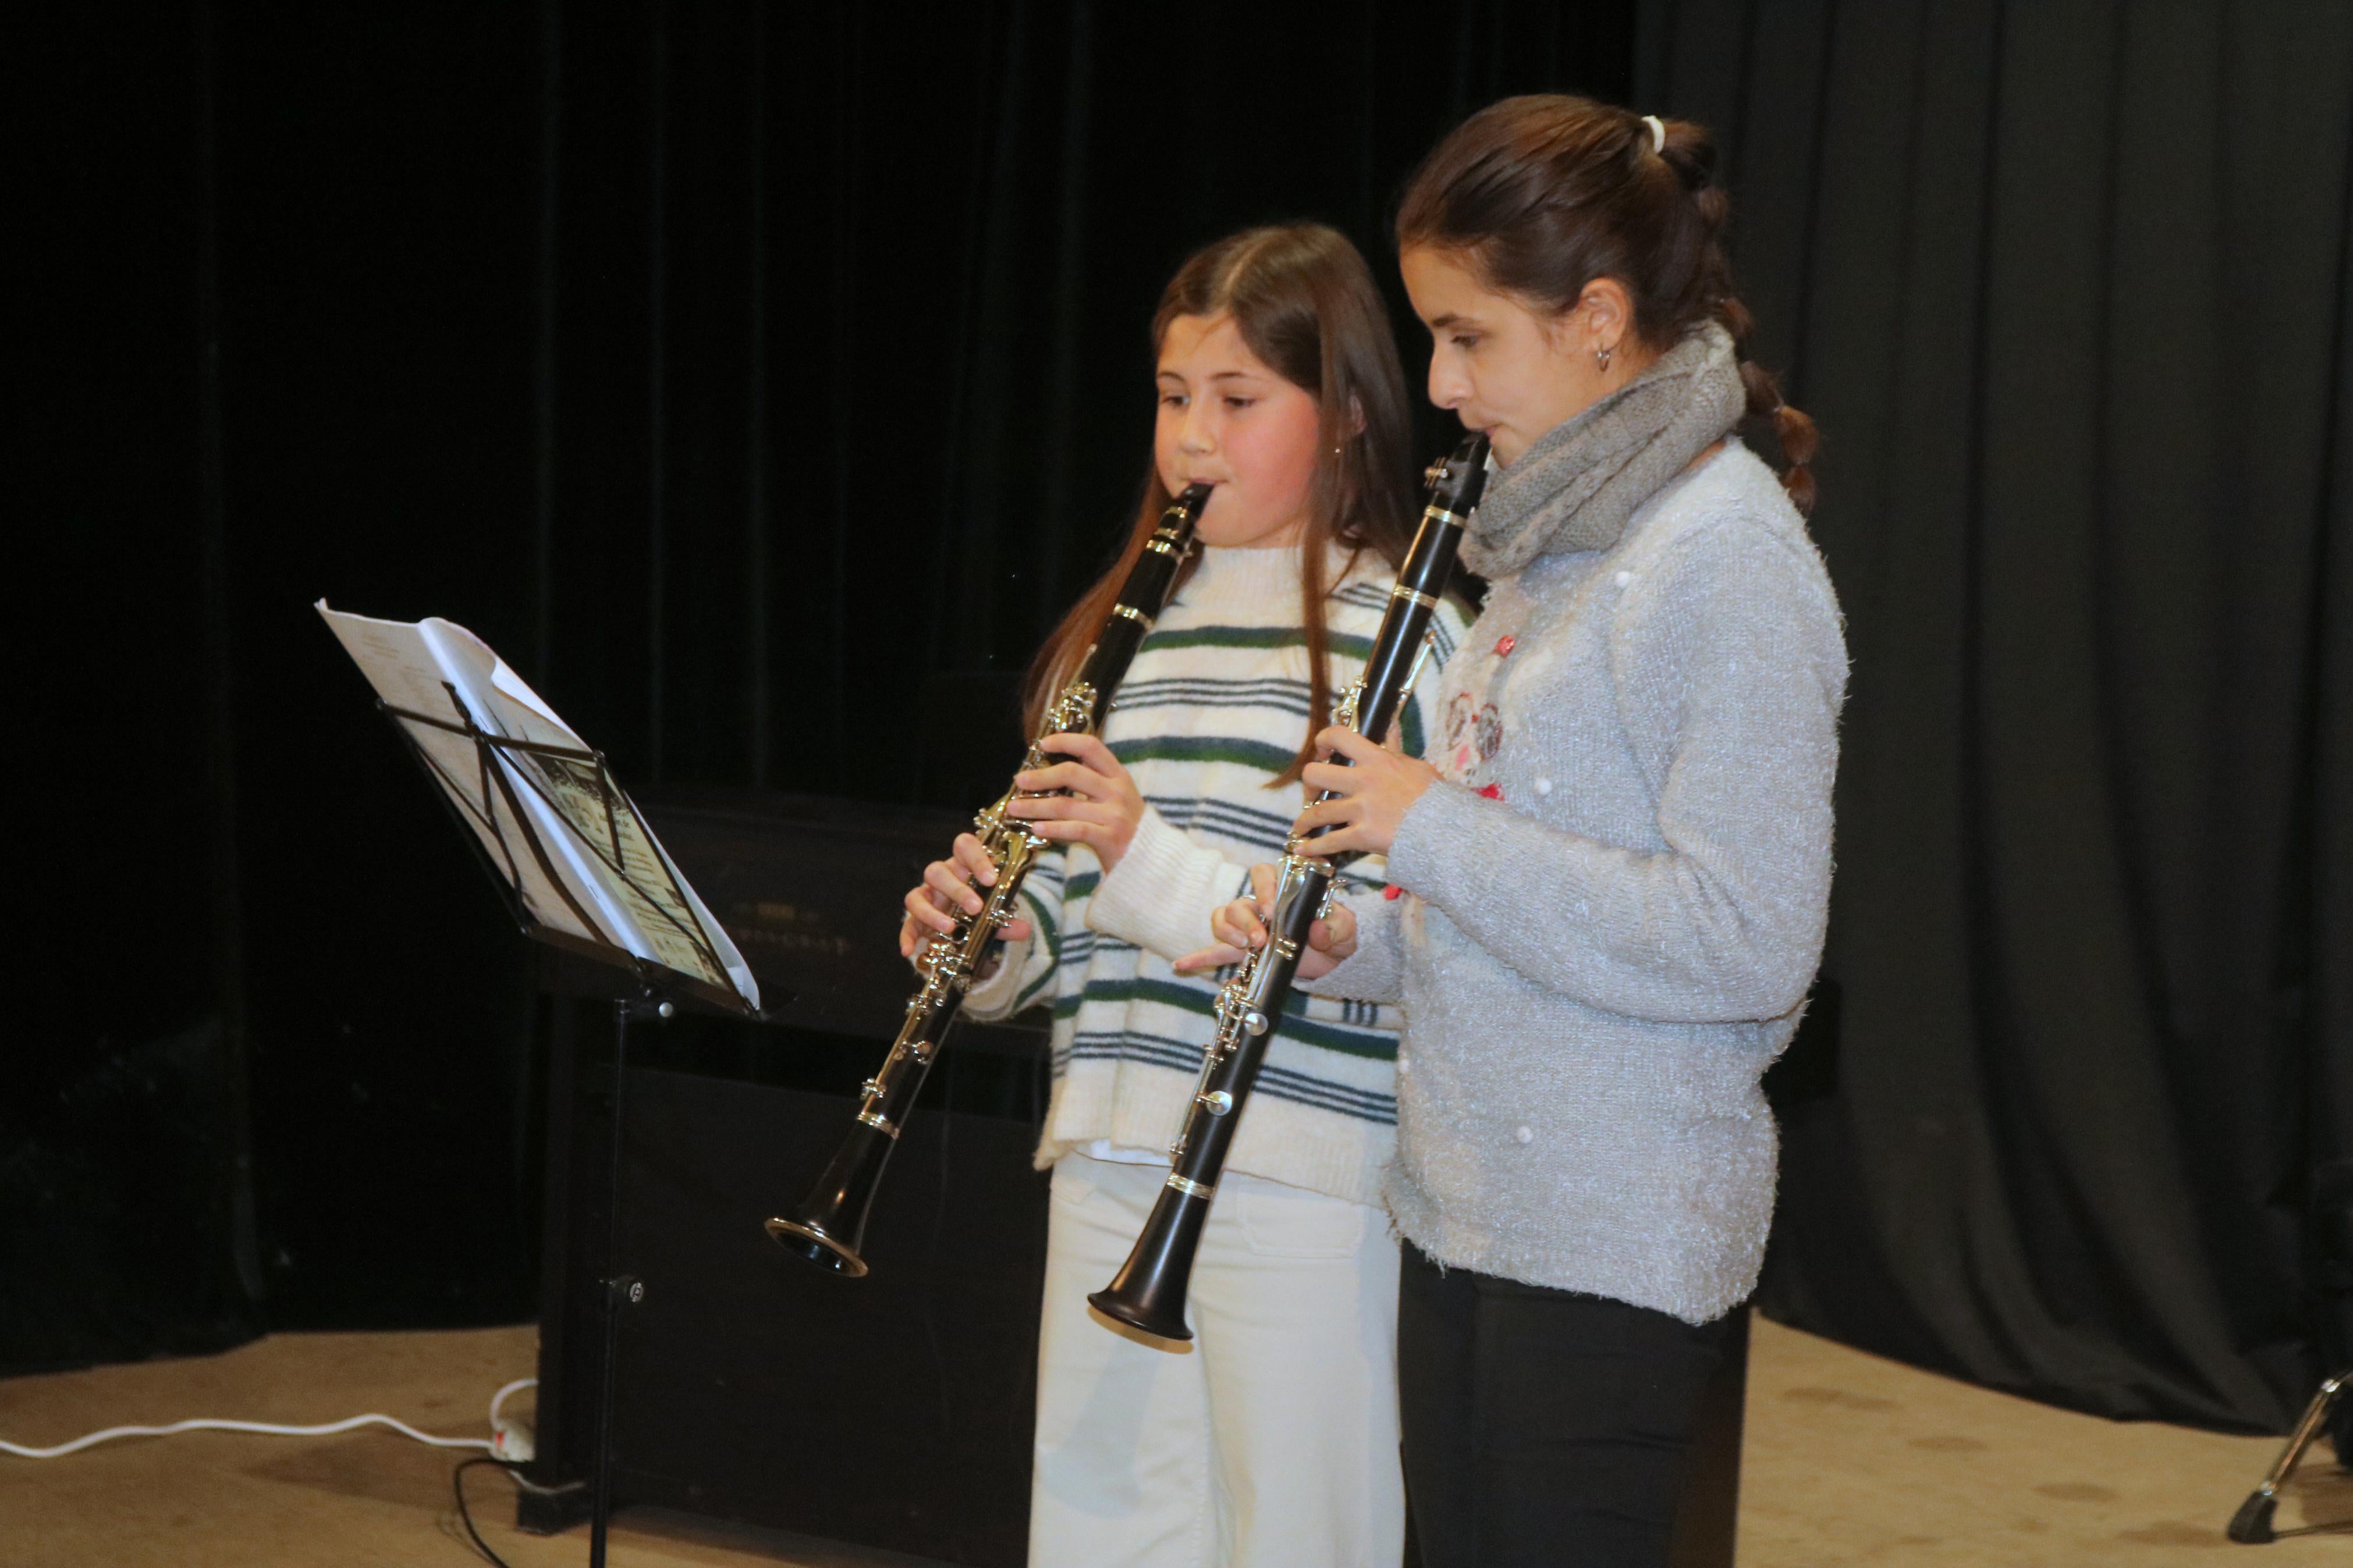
point(1440, 323)
point(1216, 375)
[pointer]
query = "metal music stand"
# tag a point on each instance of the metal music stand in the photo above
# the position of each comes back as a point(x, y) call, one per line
point(590, 802)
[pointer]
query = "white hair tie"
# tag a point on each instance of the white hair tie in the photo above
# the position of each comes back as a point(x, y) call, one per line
point(1658, 132)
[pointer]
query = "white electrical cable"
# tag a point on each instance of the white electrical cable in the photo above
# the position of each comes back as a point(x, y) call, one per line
point(208, 1425)
point(212, 1424)
point(517, 1386)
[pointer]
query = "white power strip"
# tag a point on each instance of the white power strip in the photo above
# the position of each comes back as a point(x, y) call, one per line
point(512, 1437)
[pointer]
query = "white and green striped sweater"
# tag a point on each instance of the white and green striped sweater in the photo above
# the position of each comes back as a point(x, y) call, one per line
point(1213, 708)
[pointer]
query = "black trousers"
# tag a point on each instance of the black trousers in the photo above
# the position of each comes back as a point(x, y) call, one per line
point(1543, 1426)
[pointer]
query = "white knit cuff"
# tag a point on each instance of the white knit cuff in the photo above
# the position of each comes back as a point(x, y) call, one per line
point(1163, 891)
point(992, 998)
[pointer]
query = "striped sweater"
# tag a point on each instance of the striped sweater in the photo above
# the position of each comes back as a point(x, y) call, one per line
point(1212, 710)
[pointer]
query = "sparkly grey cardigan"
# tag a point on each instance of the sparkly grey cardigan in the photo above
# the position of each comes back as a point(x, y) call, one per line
point(1616, 903)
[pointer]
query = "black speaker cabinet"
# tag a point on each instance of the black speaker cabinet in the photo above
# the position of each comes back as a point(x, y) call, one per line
point(891, 1410)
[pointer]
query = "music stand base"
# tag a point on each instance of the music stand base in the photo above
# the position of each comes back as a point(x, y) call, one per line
point(551, 1512)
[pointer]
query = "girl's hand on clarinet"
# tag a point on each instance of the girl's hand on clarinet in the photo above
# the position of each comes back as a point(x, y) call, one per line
point(1099, 805)
point(948, 885)
point(1240, 926)
point(1372, 796)
point(1235, 928)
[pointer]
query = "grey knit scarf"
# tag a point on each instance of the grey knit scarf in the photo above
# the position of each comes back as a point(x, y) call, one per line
point(1575, 488)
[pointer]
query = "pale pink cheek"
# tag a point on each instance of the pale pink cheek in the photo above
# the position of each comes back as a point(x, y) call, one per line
point(1278, 462)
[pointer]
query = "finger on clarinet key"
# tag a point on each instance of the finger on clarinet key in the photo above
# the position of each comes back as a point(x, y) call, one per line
point(1045, 780)
point(923, 910)
point(946, 880)
point(1216, 956)
point(1046, 810)
point(972, 855)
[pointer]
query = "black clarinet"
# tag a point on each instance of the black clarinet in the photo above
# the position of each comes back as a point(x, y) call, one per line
point(1149, 1292)
point(829, 1224)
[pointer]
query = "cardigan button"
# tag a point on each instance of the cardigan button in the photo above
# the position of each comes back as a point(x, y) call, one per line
point(1624, 578)
point(1543, 786)
point(1524, 1135)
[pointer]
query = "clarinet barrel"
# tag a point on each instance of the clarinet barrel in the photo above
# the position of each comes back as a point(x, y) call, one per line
point(828, 1226)
point(1149, 1292)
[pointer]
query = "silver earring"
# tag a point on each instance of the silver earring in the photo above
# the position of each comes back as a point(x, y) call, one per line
point(1602, 357)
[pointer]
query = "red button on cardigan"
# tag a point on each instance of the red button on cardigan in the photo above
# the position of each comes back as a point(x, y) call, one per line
point(1493, 792)
point(1506, 644)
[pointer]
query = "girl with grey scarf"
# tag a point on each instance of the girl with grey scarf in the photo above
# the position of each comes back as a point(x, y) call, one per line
point(1608, 890)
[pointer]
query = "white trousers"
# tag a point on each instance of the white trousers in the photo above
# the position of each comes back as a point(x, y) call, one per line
point(1272, 1440)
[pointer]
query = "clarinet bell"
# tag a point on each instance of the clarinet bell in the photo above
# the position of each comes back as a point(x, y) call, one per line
point(829, 1226)
point(1148, 1293)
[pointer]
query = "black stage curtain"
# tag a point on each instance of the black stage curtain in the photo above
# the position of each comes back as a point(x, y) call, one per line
point(2067, 287)
point(761, 380)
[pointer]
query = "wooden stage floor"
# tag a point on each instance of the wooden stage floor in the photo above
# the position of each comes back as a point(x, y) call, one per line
point(1850, 1460)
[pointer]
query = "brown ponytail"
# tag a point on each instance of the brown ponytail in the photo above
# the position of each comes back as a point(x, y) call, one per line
point(1545, 192)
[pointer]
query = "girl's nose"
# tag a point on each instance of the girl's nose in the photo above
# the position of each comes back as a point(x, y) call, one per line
point(1447, 388)
point(1194, 435)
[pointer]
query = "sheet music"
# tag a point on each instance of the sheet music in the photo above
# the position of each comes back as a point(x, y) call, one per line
point(603, 856)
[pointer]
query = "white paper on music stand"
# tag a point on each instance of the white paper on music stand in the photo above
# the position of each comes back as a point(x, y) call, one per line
point(603, 856)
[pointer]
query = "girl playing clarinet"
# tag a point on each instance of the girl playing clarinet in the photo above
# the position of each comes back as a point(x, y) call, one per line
point(1612, 873)
point(1274, 1441)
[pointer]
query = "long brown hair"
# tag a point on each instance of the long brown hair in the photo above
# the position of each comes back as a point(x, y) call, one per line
point(1544, 194)
point(1306, 305)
